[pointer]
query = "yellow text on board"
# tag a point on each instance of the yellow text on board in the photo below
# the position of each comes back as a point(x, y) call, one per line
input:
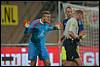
point(9, 15)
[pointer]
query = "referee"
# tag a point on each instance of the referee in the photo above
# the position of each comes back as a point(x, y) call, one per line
point(72, 38)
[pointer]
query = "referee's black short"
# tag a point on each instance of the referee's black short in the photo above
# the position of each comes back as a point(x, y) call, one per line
point(70, 47)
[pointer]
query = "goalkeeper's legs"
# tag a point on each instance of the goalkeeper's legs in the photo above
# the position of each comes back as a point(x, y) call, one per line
point(32, 53)
point(33, 63)
point(47, 62)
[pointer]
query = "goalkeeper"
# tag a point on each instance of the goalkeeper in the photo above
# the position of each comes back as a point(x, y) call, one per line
point(38, 29)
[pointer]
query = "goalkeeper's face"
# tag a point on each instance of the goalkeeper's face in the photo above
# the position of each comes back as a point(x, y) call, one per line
point(47, 18)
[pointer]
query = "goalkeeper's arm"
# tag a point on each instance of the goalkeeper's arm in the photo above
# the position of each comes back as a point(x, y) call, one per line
point(28, 28)
point(55, 28)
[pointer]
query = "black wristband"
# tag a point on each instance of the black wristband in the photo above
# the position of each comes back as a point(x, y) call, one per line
point(55, 28)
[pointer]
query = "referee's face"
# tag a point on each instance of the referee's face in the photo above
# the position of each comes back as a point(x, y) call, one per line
point(79, 16)
point(47, 18)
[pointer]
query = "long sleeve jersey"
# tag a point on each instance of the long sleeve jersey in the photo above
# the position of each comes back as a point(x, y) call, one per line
point(38, 30)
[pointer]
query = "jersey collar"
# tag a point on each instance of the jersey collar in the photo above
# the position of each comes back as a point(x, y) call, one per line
point(41, 22)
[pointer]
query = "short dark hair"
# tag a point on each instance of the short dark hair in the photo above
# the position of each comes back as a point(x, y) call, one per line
point(68, 7)
point(45, 12)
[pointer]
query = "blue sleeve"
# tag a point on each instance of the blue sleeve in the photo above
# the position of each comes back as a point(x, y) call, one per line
point(29, 29)
point(49, 28)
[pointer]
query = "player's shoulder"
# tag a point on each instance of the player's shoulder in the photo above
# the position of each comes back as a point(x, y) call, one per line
point(65, 20)
point(35, 21)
